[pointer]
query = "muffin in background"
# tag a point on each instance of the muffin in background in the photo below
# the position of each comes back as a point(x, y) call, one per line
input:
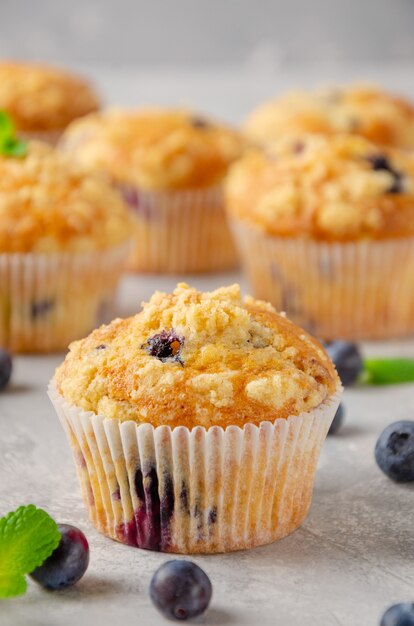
point(169, 165)
point(196, 425)
point(377, 115)
point(63, 244)
point(42, 100)
point(325, 230)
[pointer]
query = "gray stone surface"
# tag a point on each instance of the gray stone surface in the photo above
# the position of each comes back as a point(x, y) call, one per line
point(350, 560)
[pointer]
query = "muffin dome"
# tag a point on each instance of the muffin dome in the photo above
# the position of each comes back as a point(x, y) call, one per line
point(49, 204)
point(193, 358)
point(154, 148)
point(330, 188)
point(43, 98)
point(377, 115)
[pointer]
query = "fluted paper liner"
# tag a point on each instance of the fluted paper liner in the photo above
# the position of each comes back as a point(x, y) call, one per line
point(352, 290)
point(200, 490)
point(48, 300)
point(180, 231)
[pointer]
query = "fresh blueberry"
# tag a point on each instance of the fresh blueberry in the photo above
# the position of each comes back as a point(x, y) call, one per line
point(165, 346)
point(180, 590)
point(380, 162)
point(337, 420)
point(5, 368)
point(347, 360)
point(199, 122)
point(68, 563)
point(298, 147)
point(131, 196)
point(397, 185)
point(41, 308)
point(394, 451)
point(399, 615)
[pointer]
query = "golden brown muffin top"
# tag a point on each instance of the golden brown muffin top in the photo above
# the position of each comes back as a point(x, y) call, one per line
point(154, 148)
point(191, 358)
point(336, 188)
point(48, 204)
point(42, 98)
point(365, 110)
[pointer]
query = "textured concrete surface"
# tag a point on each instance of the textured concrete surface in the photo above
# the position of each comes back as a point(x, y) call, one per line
point(351, 559)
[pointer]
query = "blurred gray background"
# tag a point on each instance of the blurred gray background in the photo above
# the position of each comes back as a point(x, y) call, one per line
point(219, 56)
point(206, 32)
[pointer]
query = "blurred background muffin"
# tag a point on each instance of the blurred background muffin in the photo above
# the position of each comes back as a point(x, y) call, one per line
point(42, 100)
point(63, 245)
point(325, 229)
point(196, 425)
point(169, 164)
point(377, 115)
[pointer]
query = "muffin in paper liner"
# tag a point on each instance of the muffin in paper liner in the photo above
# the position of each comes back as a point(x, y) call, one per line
point(350, 290)
point(48, 300)
point(181, 231)
point(199, 490)
point(170, 164)
point(43, 99)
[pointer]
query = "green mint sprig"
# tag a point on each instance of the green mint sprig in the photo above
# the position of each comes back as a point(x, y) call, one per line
point(10, 144)
point(388, 371)
point(28, 536)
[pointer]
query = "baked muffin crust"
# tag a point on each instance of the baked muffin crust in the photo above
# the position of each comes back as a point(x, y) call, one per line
point(330, 188)
point(154, 148)
point(365, 110)
point(49, 204)
point(43, 98)
point(191, 358)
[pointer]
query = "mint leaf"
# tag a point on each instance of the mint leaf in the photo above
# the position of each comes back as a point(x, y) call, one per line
point(28, 536)
point(388, 371)
point(6, 125)
point(14, 147)
point(10, 144)
point(13, 585)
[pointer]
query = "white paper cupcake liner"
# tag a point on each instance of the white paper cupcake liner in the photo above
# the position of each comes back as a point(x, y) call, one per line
point(180, 231)
point(355, 290)
point(48, 300)
point(196, 491)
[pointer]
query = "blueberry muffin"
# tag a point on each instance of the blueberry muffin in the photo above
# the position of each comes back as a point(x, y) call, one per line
point(380, 117)
point(169, 164)
point(63, 244)
point(325, 228)
point(42, 100)
point(196, 425)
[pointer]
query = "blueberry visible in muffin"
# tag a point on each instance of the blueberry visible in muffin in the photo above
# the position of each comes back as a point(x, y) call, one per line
point(165, 346)
point(191, 358)
point(380, 162)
